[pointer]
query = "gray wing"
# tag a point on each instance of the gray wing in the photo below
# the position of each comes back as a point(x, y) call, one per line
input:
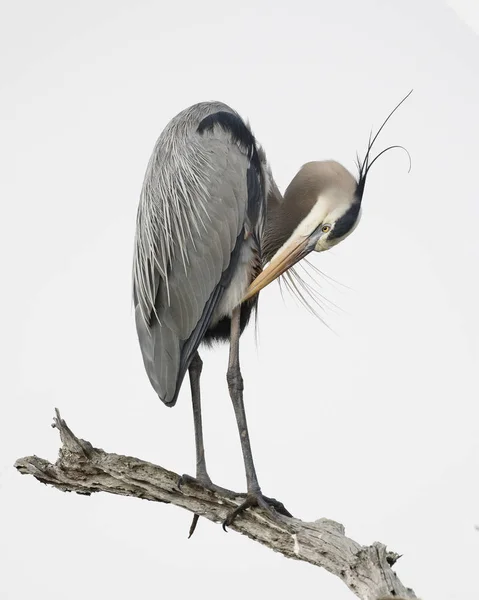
point(203, 193)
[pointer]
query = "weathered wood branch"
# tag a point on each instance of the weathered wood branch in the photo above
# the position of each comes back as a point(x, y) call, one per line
point(83, 469)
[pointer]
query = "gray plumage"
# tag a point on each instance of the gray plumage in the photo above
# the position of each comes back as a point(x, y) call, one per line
point(193, 207)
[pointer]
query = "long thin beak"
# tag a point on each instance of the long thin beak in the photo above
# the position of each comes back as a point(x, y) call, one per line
point(280, 263)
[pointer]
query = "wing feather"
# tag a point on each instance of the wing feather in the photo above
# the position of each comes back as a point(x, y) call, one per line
point(196, 207)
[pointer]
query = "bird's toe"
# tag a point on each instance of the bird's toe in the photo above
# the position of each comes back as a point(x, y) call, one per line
point(273, 507)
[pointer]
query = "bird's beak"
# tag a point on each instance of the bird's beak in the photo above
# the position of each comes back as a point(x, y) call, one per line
point(288, 257)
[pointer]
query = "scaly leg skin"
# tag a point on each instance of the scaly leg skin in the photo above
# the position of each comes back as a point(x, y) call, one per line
point(254, 496)
point(202, 476)
point(195, 368)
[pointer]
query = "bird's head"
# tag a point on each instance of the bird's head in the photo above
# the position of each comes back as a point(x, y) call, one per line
point(322, 207)
point(331, 199)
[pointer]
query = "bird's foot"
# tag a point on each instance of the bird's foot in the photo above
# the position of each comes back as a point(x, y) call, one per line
point(270, 505)
point(204, 481)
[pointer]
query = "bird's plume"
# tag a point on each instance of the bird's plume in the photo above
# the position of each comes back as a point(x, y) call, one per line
point(365, 165)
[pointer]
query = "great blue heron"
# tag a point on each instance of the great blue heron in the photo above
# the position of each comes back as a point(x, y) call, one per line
point(210, 218)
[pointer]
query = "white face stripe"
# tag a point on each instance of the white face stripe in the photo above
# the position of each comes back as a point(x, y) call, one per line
point(325, 244)
point(329, 207)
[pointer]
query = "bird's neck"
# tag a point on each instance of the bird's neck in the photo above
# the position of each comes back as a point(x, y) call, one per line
point(284, 215)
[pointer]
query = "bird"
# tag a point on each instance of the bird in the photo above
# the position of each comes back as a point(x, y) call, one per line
point(212, 230)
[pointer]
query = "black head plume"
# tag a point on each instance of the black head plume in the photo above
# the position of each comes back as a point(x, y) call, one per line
point(365, 165)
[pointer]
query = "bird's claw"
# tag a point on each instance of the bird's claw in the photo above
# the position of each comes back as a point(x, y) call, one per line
point(194, 523)
point(203, 481)
point(270, 505)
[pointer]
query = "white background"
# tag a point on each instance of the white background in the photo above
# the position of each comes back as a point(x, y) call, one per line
point(375, 424)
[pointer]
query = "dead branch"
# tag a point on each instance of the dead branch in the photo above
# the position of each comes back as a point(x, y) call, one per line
point(83, 469)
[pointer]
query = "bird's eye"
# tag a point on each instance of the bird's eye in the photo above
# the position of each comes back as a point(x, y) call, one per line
point(326, 228)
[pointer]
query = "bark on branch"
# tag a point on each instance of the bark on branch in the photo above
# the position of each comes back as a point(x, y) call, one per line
point(83, 469)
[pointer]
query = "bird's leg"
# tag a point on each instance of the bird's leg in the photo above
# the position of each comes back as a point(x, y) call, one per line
point(235, 386)
point(202, 476)
point(195, 369)
point(254, 497)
